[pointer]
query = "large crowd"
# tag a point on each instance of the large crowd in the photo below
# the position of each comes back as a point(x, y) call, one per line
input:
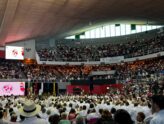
point(10, 69)
point(134, 104)
point(147, 69)
point(137, 103)
point(63, 52)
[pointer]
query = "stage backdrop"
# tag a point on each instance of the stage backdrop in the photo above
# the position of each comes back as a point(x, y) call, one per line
point(94, 81)
point(97, 89)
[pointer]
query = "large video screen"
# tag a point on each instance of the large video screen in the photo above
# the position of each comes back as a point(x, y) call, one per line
point(14, 52)
point(12, 88)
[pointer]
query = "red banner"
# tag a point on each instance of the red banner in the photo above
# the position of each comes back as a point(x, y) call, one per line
point(2, 54)
point(97, 89)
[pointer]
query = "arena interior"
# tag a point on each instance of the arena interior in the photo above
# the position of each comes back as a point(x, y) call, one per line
point(81, 62)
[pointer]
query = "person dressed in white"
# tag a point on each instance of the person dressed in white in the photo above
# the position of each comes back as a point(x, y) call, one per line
point(158, 108)
point(29, 111)
point(2, 121)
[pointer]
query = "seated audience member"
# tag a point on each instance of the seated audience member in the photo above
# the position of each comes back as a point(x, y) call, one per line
point(80, 120)
point(122, 117)
point(158, 108)
point(54, 119)
point(72, 115)
point(64, 119)
point(149, 117)
point(106, 118)
point(13, 118)
point(2, 121)
point(113, 111)
point(84, 111)
point(140, 118)
point(100, 112)
point(48, 114)
point(30, 111)
point(92, 116)
point(5, 114)
point(43, 114)
point(22, 118)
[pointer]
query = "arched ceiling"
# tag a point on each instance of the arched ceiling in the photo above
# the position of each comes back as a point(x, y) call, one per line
point(26, 19)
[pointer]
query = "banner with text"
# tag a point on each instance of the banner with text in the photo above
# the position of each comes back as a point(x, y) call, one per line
point(109, 60)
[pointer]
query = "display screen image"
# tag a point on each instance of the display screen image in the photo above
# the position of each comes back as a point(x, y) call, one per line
point(14, 52)
point(12, 88)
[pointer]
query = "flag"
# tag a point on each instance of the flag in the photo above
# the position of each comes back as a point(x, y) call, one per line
point(116, 25)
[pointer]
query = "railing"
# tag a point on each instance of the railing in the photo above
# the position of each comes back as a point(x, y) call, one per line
point(14, 80)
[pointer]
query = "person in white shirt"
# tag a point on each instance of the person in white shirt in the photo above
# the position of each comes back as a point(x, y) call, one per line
point(29, 111)
point(43, 114)
point(83, 113)
point(158, 108)
point(2, 121)
point(92, 115)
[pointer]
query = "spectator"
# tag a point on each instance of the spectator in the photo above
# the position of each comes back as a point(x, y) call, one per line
point(30, 110)
point(123, 117)
point(54, 119)
point(64, 119)
point(140, 118)
point(14, 118)
point(158, 108)
point(64, 52)
point(106, 118)
point(2, 121)
point(80, 120)
point(72, 115)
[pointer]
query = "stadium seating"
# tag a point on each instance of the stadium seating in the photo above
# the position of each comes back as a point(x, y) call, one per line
point(94, 53)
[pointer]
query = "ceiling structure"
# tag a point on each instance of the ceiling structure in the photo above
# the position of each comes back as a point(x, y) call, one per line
point(27, 19)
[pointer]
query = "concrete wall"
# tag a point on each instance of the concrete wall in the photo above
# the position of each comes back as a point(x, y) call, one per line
point(45, 43)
